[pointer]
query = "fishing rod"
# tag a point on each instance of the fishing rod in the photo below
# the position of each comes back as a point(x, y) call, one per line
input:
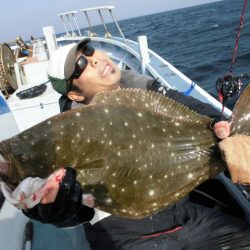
point(229, 85)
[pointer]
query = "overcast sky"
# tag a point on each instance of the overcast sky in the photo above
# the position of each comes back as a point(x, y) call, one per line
point(27, 17)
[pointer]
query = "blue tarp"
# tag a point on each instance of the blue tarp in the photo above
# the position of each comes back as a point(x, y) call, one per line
point(3, 106)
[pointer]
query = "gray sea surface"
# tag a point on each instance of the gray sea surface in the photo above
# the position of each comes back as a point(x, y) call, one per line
point(198, 40)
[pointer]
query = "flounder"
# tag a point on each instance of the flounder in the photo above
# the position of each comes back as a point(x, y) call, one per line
point(135, 151)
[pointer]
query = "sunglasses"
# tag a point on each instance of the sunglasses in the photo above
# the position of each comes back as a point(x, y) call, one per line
point(82, 62)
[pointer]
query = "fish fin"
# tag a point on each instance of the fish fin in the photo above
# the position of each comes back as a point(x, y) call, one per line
point(151, 101)
point(241, 114)
point(91, 173)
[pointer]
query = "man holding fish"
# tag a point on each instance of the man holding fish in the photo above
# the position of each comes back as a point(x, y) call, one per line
point(79, 72)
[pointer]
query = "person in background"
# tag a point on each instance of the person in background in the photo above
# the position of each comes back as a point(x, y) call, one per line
point(78, 72)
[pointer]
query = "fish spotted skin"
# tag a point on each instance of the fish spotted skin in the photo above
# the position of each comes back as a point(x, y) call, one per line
point(135, 151)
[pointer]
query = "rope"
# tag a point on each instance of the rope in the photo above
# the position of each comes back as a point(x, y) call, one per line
point(189, 90)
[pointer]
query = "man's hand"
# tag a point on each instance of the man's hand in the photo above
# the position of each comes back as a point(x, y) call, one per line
point(222, 129)
point(88, 200)
point(236, 151)
point(32, 191)
point(61, 202)
point(50, 189)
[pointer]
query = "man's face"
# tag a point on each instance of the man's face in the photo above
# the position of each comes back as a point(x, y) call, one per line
point(101, 74)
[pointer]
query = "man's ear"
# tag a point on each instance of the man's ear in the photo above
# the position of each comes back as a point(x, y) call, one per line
point(75, 96)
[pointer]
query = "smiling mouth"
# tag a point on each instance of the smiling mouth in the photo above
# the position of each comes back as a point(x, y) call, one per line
point(106, 70)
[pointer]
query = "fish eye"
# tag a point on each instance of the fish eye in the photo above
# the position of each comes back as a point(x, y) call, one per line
point(14, 141)
point(14, 144)
point(25, 158)
point(26, 136)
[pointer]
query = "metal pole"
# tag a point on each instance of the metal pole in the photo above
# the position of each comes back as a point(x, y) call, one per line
point(92, 33)
point(107, 34)
point(143, 45)
point(65, 27)
point(117, 25)
point(74, 18)
point(72, 30)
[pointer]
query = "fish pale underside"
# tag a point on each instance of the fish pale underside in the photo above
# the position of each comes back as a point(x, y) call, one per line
point(136, 151)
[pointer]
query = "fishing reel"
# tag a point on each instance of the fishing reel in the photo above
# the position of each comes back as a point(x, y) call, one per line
point(228, 86)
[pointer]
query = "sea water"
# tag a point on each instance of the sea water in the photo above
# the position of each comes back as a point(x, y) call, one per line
point(198, 40)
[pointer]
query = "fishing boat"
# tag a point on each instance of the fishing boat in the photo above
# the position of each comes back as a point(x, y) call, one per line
point(29, 99)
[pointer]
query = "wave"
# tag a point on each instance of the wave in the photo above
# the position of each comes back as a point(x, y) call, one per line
point(197, 40)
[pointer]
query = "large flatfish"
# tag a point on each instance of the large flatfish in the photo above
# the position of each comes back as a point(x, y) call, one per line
point(135, 151)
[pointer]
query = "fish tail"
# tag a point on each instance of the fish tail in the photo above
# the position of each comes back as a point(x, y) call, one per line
point(240, 120)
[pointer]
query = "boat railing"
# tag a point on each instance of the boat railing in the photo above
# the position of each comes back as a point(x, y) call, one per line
point(69, 21)
point(69, 16)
